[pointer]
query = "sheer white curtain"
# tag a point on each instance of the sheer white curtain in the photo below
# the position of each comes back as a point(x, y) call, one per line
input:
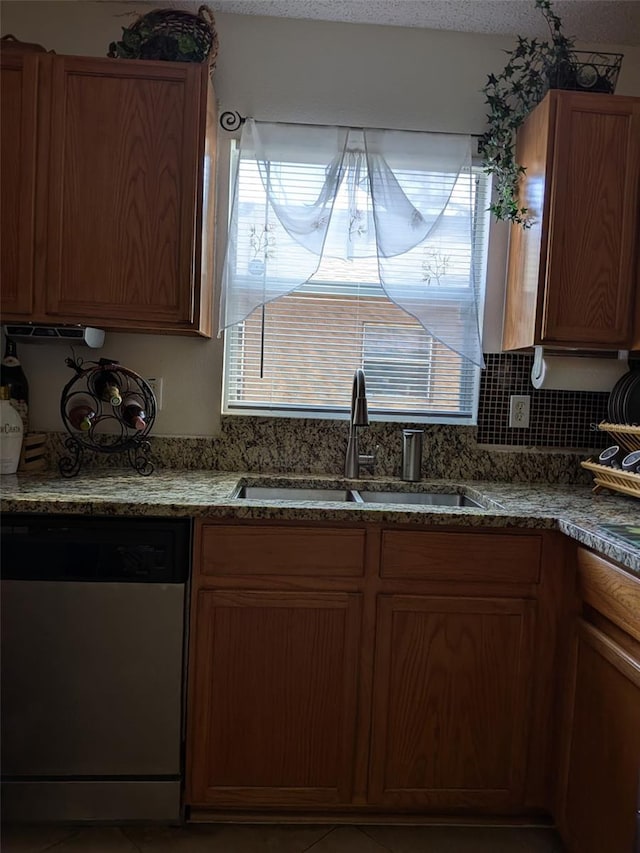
point(403, 198)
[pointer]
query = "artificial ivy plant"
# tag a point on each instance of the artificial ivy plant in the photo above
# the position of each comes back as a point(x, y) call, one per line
point(532, 68)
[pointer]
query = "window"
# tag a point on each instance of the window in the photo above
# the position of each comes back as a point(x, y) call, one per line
point(296, 355)
point(397, 364)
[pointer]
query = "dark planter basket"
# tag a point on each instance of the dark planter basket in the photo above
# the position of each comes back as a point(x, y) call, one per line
point(170, 34)
point(587, 72)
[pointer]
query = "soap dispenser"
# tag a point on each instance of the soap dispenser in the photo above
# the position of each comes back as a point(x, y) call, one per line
point(412, 454)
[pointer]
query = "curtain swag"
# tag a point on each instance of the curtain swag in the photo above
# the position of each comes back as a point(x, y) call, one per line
point(403, 198)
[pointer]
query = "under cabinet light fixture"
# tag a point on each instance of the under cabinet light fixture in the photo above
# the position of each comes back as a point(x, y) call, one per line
point(32, 333)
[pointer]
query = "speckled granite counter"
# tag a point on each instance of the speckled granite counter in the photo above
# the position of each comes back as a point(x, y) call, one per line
point(572, 509)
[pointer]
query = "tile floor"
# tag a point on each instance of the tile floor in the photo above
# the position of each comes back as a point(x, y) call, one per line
point(224, 838)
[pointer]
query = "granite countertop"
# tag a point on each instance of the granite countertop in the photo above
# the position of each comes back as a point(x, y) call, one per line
point(572, 509)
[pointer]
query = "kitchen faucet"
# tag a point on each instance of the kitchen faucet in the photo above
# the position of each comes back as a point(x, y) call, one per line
point(359, 418)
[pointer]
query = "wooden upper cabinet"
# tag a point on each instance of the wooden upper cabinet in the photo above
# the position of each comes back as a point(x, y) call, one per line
point(124, 166)
point(573, 277)
point(19, 102)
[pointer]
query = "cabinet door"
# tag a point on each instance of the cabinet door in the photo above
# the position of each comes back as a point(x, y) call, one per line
point(604, 751)
point(125, 165)
point(18, 128)
point(450, 716)
point(274, 698)
point(592, 261)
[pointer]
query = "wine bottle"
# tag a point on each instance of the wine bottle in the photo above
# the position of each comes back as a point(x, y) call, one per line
point(12, 376)
point(12, 431)
point(133, 414)
point(107, 387)
point(81, 416)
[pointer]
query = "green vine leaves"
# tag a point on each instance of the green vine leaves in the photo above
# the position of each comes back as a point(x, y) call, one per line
point(510, 96)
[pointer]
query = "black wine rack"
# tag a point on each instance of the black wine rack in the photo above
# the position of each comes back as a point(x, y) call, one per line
point(108, 432)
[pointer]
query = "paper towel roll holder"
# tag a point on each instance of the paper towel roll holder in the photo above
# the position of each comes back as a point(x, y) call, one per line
point(540, 353)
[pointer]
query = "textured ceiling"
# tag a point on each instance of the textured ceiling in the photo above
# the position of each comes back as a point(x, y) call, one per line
point(599, 21)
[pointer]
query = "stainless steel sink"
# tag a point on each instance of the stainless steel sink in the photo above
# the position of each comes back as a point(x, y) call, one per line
point(311, 493)
point(422, 498)
point(290, 493)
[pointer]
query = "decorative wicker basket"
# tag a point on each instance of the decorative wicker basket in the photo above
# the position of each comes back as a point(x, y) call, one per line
point(587, 71)
point(605, 477)
point(170, 34)
point(10, 43)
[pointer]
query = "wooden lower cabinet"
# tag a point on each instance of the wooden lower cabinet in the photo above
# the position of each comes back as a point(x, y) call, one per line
point(450, 721)
point(604, 749)
point(599, 798)
point(328, 676)
point(276, 697)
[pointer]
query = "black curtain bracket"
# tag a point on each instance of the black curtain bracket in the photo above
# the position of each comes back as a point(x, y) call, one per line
point(231, 120)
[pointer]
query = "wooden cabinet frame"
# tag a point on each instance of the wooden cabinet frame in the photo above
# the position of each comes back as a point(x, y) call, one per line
point(495, 695)
point(598, 780)
point(535, 603)
point(573, 277)
point(20, 96)
point(210, 604)
point(130, 247)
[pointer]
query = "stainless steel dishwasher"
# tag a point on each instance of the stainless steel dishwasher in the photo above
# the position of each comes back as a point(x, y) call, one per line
point(93, 619)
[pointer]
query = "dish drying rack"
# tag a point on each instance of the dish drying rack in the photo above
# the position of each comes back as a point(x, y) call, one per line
point(605, 477)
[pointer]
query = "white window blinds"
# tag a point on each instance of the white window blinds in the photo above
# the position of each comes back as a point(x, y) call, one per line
point(306, 301)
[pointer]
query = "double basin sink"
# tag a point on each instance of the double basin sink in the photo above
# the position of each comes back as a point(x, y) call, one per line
point(287, 493)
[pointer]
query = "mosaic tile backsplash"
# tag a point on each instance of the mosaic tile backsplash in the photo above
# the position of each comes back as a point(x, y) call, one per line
point(557, 418)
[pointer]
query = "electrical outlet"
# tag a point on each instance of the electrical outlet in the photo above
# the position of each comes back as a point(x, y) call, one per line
point(155, 383)
point(519, 408)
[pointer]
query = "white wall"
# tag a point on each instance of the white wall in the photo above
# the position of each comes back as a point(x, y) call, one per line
point(282, 70)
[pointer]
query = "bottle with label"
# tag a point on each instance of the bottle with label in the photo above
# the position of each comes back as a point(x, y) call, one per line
point(11, 430)
point(81, 415)
point(133, 414)
point(12, 376)
point(107, 387)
